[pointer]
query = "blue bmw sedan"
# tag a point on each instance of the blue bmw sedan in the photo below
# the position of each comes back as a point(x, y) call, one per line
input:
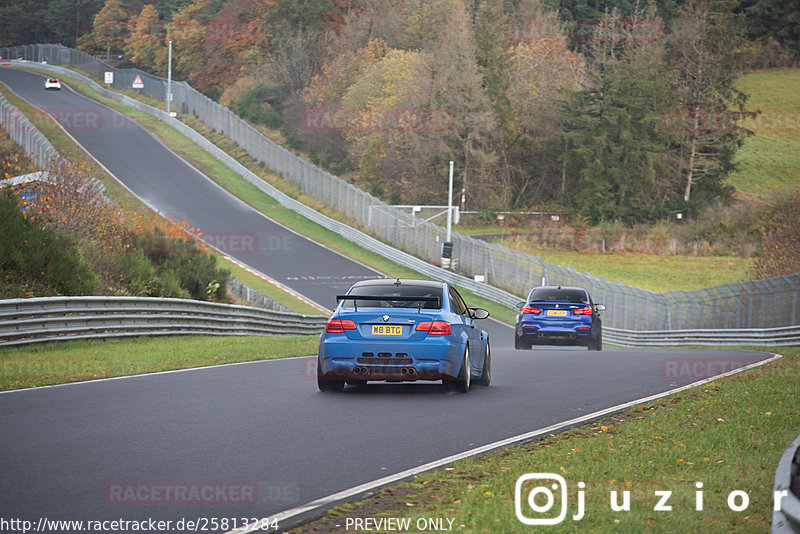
point(403, 330)
point(556, 315)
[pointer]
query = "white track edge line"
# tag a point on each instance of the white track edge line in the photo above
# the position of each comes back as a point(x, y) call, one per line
point(330, 499)
point(155, 373)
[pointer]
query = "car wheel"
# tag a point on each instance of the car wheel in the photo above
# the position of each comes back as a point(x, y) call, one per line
point(520, 344)
point(327, 383)
point(464, 379)
point(596, 344)
point(486, 375)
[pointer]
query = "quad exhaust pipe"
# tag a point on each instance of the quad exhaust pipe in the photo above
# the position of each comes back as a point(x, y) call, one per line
point(407, 372)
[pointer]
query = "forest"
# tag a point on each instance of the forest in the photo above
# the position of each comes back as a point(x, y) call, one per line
point(614, 110)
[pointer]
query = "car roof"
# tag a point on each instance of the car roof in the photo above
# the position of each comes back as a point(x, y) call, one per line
point(403, 281)
point(566, 289)
point(561, 287)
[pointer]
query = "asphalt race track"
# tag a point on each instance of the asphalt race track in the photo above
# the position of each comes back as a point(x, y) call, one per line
point(259, 436)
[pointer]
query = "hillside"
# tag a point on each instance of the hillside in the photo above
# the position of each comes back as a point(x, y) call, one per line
point(769, 161)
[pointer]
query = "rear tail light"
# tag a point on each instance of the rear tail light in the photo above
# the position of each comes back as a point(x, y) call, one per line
point(583, 311)
point(338, 326)
point(435, 328)
point(530, 309)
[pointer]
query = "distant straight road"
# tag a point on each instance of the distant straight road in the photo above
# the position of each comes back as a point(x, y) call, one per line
point(173, 187)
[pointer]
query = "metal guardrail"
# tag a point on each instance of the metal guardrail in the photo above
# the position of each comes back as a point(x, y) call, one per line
point(41, 319)
point(753, 304)
point(774, 337)
point(787, 479)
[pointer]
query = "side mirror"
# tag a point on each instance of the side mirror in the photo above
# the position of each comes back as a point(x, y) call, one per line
point(520, 305)
point(478, 313)
point(600, 307)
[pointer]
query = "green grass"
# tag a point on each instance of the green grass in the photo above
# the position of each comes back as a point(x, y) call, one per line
point(769, 161)
point(78, 360)
point(728, 434)
point(652, 272)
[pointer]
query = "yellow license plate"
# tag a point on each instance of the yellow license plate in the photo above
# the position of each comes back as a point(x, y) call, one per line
point(386, 330)
point(559, 313)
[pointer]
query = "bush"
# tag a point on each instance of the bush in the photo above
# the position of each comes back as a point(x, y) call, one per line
point(261, 105)
point(780, 251)
point(36, 260)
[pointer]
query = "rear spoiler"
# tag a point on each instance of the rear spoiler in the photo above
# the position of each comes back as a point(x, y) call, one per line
point(354, 298)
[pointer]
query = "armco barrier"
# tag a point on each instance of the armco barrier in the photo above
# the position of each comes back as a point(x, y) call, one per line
point(787, 479)
point(40, 319)
point(773, 337)
point(753, 304)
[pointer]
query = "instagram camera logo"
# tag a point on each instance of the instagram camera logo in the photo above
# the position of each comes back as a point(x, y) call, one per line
point(541, 498)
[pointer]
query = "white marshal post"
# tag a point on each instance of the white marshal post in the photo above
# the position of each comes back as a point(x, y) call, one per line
point(169, 78)
point(447, 247)
point(450, 203)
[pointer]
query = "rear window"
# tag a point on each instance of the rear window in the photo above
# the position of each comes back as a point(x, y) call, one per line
point(391, 290)
point(551, 294)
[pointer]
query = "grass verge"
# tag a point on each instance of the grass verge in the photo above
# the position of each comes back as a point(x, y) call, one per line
point(728, 434)
point(253, 196)
point(79, 360)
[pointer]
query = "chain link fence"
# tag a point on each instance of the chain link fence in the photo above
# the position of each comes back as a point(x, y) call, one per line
point(752, 304)
point(24, 133)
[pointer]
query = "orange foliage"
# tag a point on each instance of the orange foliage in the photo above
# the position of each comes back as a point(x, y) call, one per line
point(329, 87)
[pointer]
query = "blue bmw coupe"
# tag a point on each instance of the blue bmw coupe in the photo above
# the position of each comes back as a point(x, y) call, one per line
point(400, 331)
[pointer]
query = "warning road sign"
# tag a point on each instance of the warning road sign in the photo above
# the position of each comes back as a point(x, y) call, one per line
point(138, 83)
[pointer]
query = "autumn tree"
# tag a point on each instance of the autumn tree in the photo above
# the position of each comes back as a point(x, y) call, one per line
point(424, 22)
point(492, 51)
point(111, 26)
point(704, 48)
point(780, 250)
point(146, 46)
point(616, 144)
point(537, 73)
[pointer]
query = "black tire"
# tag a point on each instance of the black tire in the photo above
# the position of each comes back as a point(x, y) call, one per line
point(463, 381)
point(328, 383)
point(486, 374)
point(520, 344)
point(596, 343)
